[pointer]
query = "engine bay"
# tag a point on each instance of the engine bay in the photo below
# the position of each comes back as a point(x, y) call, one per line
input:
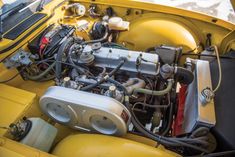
point(97, 82)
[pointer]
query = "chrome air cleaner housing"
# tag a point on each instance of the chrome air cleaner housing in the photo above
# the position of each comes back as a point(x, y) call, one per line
point(87, 111)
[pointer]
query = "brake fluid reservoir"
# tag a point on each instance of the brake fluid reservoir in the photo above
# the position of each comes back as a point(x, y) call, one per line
point(116, 23)
point(41, 134)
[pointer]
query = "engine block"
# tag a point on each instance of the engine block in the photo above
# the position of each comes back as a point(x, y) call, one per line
point(137, 61)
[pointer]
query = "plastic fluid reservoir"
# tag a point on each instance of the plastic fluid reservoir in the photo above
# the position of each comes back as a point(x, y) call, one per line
point(41, 135)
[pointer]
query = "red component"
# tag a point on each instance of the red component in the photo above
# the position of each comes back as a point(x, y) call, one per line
point(45, 41)
point(179, 119)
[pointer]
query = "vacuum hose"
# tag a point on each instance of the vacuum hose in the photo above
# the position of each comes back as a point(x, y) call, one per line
point(155, 93)
point(63, 48)
point(40, 76)
point(98, 40)
point(173, 142)
point(103, 79)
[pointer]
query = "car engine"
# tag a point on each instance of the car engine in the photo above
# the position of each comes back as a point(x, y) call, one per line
point(102, 86)
point(97, 69)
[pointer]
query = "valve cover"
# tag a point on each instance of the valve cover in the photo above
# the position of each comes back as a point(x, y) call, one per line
point(110, 58)
point(87, 111)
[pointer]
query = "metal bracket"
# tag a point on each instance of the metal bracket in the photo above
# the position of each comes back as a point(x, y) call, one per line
point(19, 59)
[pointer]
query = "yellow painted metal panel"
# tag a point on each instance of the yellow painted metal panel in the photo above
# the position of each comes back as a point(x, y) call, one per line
point(9, 148)
point(143, 5)
point(170, 29)
point(8, 153)
point(52, 16)
point(94, 145)
point(157, 31)
point(13, 103)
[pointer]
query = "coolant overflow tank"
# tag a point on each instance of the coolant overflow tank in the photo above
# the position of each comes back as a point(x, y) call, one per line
point(85, 111)
point(41, 134)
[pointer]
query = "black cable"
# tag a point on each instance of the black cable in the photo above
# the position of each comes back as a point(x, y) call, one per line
point(46, 79)
point(6, 57)
point(171, 142)
point(101, 80)
point(10, 79)
point(13, 77)
point(80, 70)
point(175, 142)
point(119, 85)
point(170, 121)
point(69, 64)
point(59, 56)
point(114, 45)
point(220, 153)
point(42, 74)
point(208, 40)
point(98, 40)
point(123, 60)
point(38, 62)
point(207, 55)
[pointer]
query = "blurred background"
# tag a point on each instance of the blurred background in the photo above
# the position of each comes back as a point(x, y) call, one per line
point(219, 8)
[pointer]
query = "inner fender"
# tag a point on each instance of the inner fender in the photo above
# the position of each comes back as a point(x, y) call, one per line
point(151, 31)
point(94, 145)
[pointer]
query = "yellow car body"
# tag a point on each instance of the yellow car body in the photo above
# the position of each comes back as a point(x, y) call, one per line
point(175, 27)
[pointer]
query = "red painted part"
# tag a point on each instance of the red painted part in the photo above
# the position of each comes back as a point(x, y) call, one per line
point(179, 119)
point(45, 41)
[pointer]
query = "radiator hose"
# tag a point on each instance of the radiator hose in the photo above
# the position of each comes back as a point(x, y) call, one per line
point(166, 141)
point(184, 76)
point(155, 93)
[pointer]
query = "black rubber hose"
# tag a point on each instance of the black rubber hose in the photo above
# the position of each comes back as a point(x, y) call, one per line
point(160, 139)
point(89, 87)
point(13, 77)
point(142, 129)
point(153, 92)
point(114, 45)
point(133, 118)
point(123, 60)
point(79, 70)
point(59, 56)
point(217, 154)
point(185, 76)
point(170, 121)
point(41, 75)
point(118, 85)
point(98, 40)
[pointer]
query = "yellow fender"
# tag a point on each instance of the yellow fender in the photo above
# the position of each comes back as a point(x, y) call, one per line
point(94, 145)
point(150, 31)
